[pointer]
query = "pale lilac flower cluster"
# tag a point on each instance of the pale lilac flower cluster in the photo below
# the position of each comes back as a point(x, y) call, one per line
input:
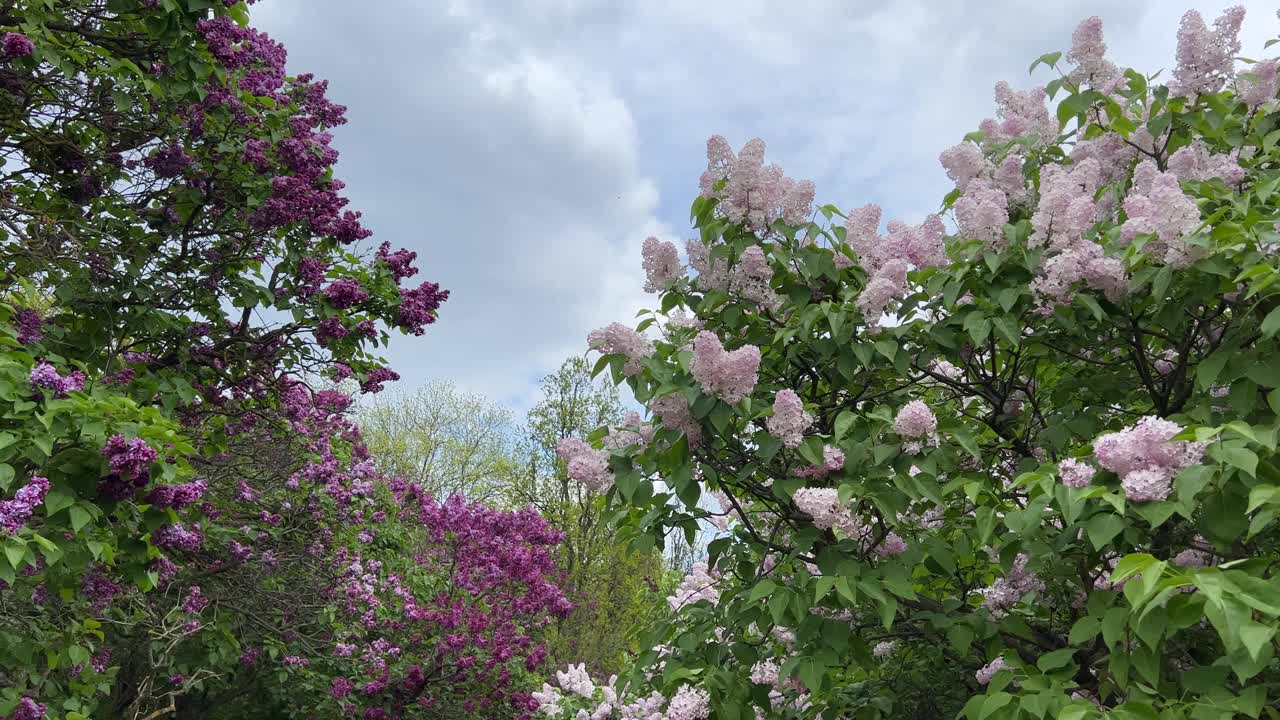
point(1258, 86)
point(1088, 54)
point(823, 505)
point(15, 513)
point(751, 277)
point(585, 464)
point(1075, 474)
point(548, 700)
point(673, 412)
point(748, 278)
point(988, 671)
point(1067, 209)
point(713, 273)
point(661, 262)
point(765, 672)
point(699, 584)
point(631, 432)
point(915, 420)
point(884, 648)
point(1193, 557)
point(888, 259)
point(1005, 592)
point(575, 679)
point(753, 193)
point(1206, 58)
point(981, 213)
point(618, 339)
point(789, 420)
point(728, 375)
point(689, 703)
point(1165, 362)
point(1020, 115)
point(44, 375)
point(1146, 457)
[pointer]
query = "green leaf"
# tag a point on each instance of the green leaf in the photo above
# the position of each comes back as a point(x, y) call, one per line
point(1084, 630)
point(1102, 528)
point(1056, 659)
point(57, 501)
point(844, 420)
point(1271, 324)
point(79, 517)
point(764, 588)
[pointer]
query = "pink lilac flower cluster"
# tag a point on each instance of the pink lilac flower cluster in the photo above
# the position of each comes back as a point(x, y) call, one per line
point(824, 506)
point(982, 212)
point(751, 277)
point(1088, 54)
point(1065, 216)
point(753, 193)
point(988, 671)
point(618, 339)
point(832, 461)
point(1075, 474)
point(699, 584)
point(14, 513)
point(1258, 86)
point(661, 263)
point(1158, 206)
point(728, 375)
point(888, 259)
point(1206, 58)
point(1196, 162)
point(586, 464)
point(1002, 595)
point(1146, 457)
point(1020, 115)
point(673, 412)
point(789, 420)
point(631, 432)
point(915, 420)
point(44, 375)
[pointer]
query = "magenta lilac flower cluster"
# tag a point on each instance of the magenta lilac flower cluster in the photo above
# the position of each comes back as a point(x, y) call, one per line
point(15, 512)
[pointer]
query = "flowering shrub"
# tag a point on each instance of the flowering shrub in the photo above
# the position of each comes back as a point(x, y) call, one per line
point(1015, 461)
point(189, 525)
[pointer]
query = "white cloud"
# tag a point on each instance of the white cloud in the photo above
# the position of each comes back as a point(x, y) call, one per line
point(525, 149)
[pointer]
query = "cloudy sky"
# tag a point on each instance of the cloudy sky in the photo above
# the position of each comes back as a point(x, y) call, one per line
point(526, 149)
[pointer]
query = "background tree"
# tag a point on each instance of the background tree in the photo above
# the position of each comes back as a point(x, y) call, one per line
point(615, 590)
point(448, 442)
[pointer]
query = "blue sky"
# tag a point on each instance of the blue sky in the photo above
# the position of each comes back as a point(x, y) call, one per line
point(526, 149)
